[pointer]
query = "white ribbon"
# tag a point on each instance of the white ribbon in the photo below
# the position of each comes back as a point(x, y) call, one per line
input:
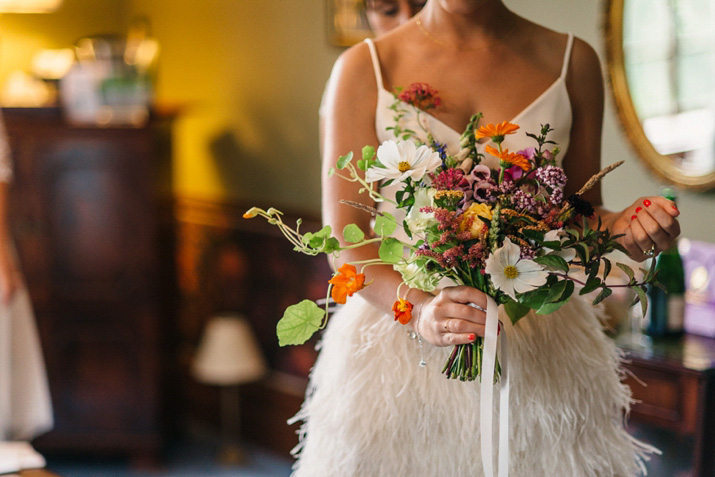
point(486, 398)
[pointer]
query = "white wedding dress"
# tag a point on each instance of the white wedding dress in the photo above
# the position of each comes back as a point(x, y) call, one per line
point(25, 406)
point(371, 410)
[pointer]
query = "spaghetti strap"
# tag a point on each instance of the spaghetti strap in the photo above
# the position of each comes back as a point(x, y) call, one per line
point(375, 62)
point(567, 56)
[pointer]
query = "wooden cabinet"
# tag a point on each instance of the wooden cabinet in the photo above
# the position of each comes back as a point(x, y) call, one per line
point(91, 215)
point(673, 385)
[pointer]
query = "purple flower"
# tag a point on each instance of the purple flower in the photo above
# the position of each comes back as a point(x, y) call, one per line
point(551, 176)
point(481, 173)
point(483, 185)
point(506, 186)
point(484, 192)
point(514, 173)
point(557, 196)
point(529, 152)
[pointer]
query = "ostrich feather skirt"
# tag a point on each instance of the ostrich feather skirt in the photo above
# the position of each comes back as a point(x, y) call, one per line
point(371, 410)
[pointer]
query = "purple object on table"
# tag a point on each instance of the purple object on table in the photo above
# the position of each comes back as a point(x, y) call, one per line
point(699, 262)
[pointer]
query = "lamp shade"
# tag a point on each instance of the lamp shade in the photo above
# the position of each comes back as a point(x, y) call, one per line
point(29, 6)
point(228, 353)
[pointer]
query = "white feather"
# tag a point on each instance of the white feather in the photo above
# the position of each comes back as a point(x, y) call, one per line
point(371, 410)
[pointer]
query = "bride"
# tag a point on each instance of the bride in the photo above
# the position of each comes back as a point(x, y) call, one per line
point(371, 409)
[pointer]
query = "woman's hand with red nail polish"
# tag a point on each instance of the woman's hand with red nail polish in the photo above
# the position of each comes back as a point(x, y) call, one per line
point(655, 225)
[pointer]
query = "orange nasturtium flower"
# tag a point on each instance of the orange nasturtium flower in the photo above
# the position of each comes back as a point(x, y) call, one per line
point(496, 131)
point(510, 157)
point(346, 282)
point(403, 311)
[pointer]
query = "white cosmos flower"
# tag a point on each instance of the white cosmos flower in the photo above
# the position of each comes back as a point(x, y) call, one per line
point(401, 160)
point(512, 275)
point(555, 236)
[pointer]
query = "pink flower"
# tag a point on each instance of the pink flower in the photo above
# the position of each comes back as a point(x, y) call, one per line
point(529, 152)
point(513, 173)
point(421, 96)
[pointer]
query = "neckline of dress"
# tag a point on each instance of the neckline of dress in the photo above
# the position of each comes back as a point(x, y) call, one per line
point(515, 119)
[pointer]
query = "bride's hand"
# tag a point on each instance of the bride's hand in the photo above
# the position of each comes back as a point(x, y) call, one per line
point(649, 226)
point(448, 319)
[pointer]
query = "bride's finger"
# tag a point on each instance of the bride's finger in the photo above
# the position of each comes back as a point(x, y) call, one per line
point(459, 326)
point(465, 295)
point(460, 338)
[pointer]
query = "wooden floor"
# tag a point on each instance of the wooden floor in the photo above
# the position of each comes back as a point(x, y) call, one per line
point(196, 456)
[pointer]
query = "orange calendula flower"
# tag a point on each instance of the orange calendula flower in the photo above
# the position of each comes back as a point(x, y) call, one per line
point(496, 131)
point(511, 158)
point(403, 311)
point(346, 282)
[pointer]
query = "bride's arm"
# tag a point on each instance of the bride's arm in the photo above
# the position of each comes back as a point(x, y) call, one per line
point(350, 124)
point(648, 220)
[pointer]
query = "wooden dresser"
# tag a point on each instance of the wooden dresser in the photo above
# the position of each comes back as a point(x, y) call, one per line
point(673, 383)
point(91, 215)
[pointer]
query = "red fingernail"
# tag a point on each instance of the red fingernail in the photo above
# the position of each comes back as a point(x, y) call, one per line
point(498, 328)
point(638, 209)
point(472, 337)
point(634, 217)
point(675, 207)
point(646, 203)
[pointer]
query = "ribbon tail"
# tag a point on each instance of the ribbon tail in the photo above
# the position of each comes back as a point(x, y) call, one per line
point(504, 406)
point(486, 395)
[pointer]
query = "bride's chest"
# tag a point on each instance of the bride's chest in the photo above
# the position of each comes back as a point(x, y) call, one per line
point(500, 92)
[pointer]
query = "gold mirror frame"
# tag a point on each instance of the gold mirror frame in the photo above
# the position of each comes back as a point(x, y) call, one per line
point(661, 165)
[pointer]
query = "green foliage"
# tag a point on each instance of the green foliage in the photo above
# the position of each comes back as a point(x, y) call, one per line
point(641, 297)
point(605, 293)
point(299, 323)
point(628, 270)
point(553, 261)
point(515, 310)
point(368, 158)
point(391, 250)
point(344, 160)
point(353, 234)
point(320, 241)
point(385, 224)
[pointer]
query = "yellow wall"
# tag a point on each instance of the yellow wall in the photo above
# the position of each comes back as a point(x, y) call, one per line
point(250, 74)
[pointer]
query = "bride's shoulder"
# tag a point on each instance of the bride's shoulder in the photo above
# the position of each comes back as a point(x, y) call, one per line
point(353, 67)
point(356, 57)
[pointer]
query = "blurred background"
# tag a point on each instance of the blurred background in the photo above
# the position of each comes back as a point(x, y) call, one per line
point(141, 131)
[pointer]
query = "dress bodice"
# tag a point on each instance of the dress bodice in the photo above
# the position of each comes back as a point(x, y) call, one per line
point(552, 106)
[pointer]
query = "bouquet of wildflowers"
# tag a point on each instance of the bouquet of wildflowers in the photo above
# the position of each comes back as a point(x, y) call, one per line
point(509, 232)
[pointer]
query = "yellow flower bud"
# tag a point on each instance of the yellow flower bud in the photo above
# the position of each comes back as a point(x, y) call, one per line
point(477, 228)
point(251, 213)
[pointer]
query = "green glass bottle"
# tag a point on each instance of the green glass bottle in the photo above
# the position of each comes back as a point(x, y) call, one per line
point(666, 308)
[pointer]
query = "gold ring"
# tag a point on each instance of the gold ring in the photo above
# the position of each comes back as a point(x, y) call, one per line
point(446, 326)
point(650, 252)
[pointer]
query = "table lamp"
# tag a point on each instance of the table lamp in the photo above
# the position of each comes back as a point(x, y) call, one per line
point(228, 355)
